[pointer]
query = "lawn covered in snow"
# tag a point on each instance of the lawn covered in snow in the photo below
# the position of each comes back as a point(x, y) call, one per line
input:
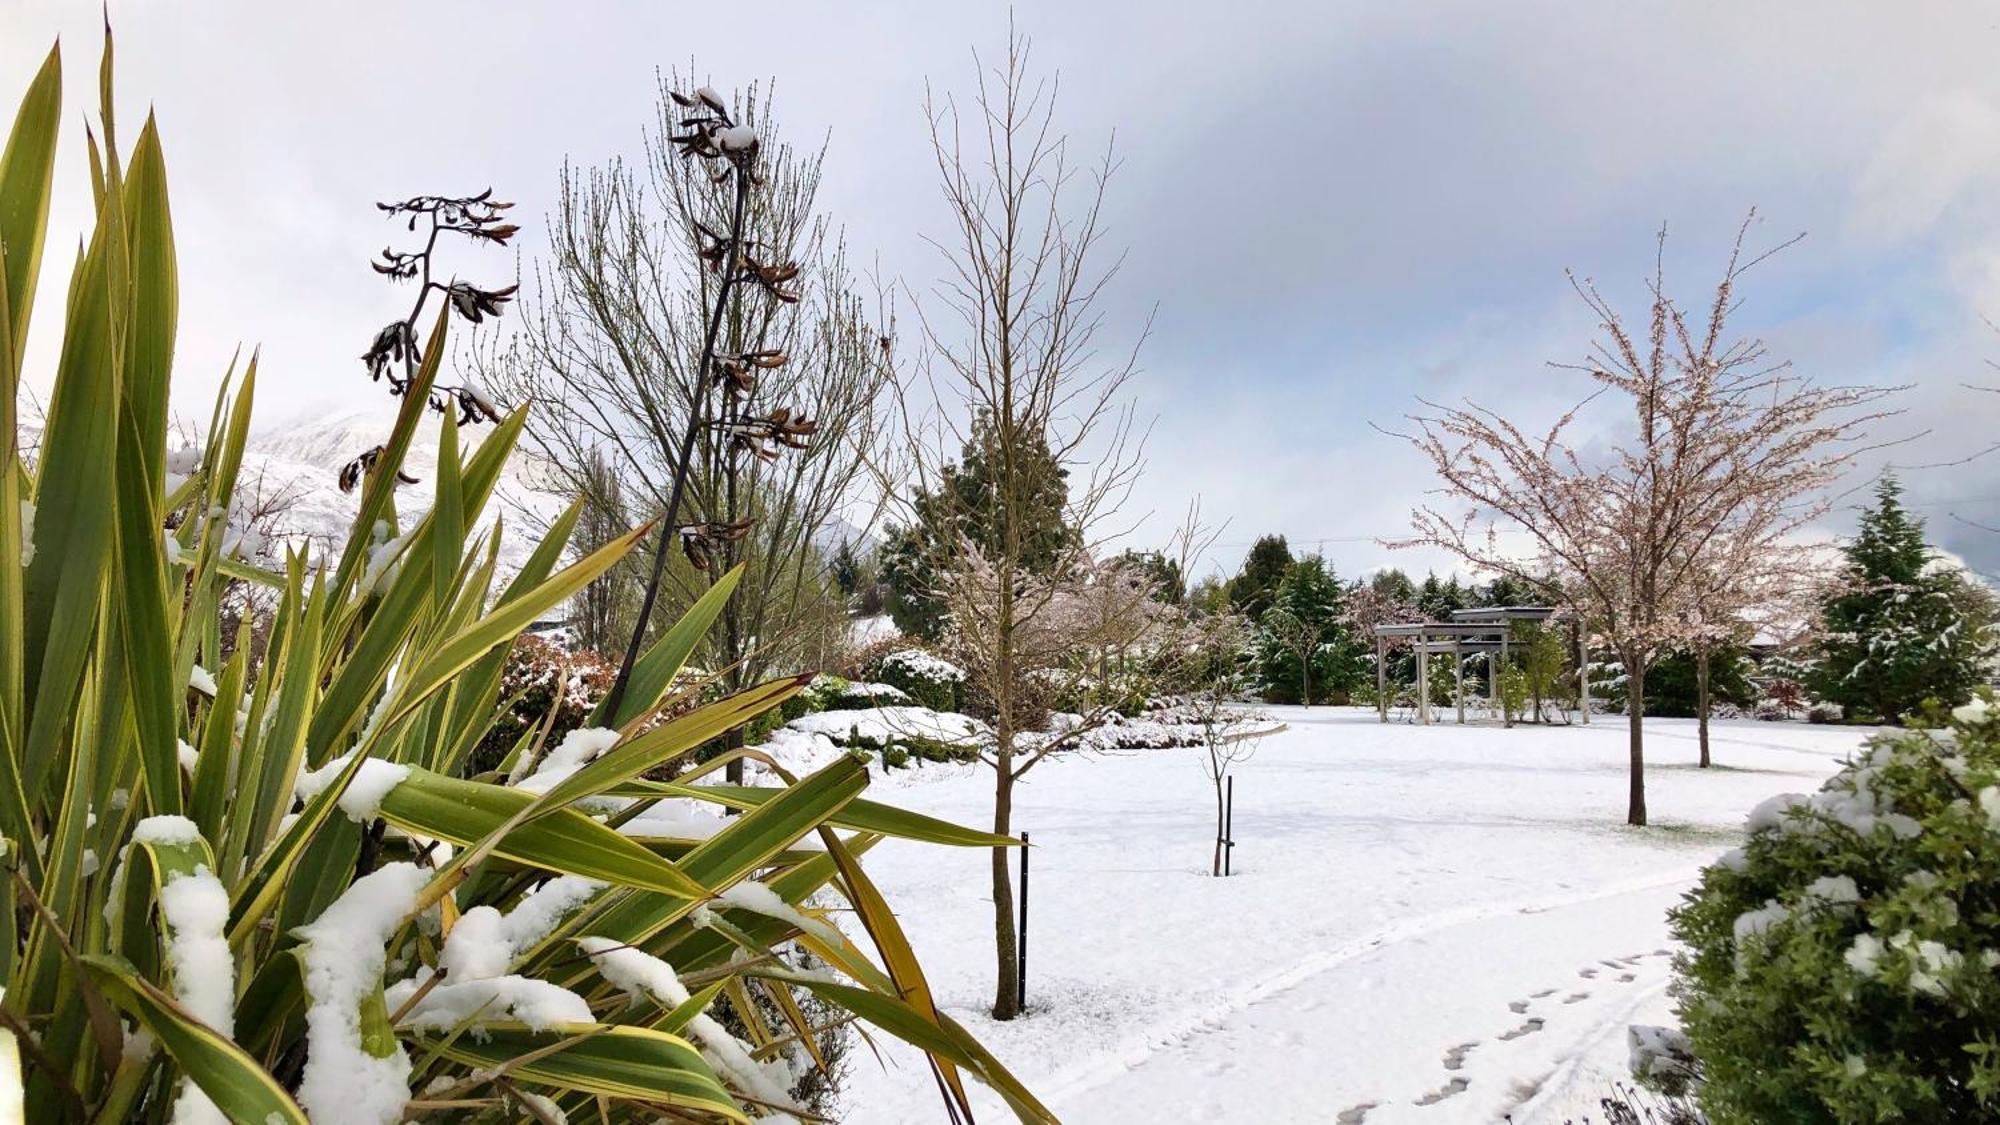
point(1443, 924)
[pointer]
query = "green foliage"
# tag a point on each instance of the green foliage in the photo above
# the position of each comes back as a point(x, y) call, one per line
point(1671, 686)
point(1903, 629)
point(128, 767)
point(1437, 601)
point(1393, 584)
point(1842, 964)
point(1251, 591)
point(1304, 633)
point(927, 680)
point(1209, 596)
point(1162, 573)
point(969, 502)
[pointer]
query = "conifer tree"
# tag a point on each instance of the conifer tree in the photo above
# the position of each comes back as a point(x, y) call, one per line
point(1901, 630)
point(1306, 646)
point(968, 500)
point(1263, 568)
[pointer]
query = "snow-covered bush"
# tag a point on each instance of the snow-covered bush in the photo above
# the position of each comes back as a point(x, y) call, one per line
point(542, 684)
point(859, 695)
point(1824, 712)
point(929, 680)
point(1843, 961)
point(898, 733)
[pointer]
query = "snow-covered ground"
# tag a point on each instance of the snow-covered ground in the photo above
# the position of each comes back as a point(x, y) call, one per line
point(1431, 925)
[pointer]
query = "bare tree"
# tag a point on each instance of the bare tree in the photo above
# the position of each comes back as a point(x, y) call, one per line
point(1011, 369)
point(684, 301)
point(1727, 452)
point(1209, 659)
point(605, 608)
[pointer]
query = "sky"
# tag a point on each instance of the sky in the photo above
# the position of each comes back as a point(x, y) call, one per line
point(1327, 208)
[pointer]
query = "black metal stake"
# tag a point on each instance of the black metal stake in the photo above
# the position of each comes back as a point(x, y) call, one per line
point(1229, 824)
point(1021, 946)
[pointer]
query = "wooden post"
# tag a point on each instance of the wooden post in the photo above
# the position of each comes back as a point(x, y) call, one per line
point(1537, 716)
point(1458, 677)
point(1423, 681)
point(1582, 677)
point(1381, 679)
point(1506, 717)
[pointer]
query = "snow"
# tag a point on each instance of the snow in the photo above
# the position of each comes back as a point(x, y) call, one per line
point(200, 679)
point(921, 663)
point(344, 952)
point(485, 943)
point(887, 724)
point(1413, 907)
point(537, 1003)
point(166, 830)
point(544, 1105)
point(27, 533)
point(196, 909)
point(640, 975)
point(362, 799)
point(675, 818)
point(578, 749)
point(755, 897)
point(865, 631)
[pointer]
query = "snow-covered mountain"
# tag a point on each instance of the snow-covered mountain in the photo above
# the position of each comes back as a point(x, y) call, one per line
point(296, 466)
point(293, 467)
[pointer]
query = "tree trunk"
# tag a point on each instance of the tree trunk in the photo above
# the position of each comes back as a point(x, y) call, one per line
point(1701, 702)
point(1006, 950)
point(1305, 681)
point(1635, 713)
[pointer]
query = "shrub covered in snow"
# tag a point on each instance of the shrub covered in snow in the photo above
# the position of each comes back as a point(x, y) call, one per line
point(1843, 961)
point(538, 679)
point(930, 681)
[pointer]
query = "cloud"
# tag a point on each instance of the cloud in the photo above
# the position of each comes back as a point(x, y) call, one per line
point(1334, 206)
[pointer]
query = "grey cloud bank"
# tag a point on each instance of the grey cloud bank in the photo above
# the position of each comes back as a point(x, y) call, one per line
point(1328, 208)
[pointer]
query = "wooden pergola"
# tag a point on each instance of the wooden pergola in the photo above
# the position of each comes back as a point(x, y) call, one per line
point(1485, 630)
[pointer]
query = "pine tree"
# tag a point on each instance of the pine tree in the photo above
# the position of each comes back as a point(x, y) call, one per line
point(1169, 584)
point(1902, 630)
point(846, 569)
point(1393, 584)
point(968, 502)
point(1263, 568)
point(1306, 650)
point(1439, 600)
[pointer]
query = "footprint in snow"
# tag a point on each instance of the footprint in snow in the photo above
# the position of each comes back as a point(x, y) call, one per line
point(1587, 973)
point(1627, 978)
point(1519, 1006)
point(1355, 1114)
point(1612, 964)
point(1534, 1024)
point(1450, 1089)
point(1454, 1059)
point(1576, 996)
point(1544, 992)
